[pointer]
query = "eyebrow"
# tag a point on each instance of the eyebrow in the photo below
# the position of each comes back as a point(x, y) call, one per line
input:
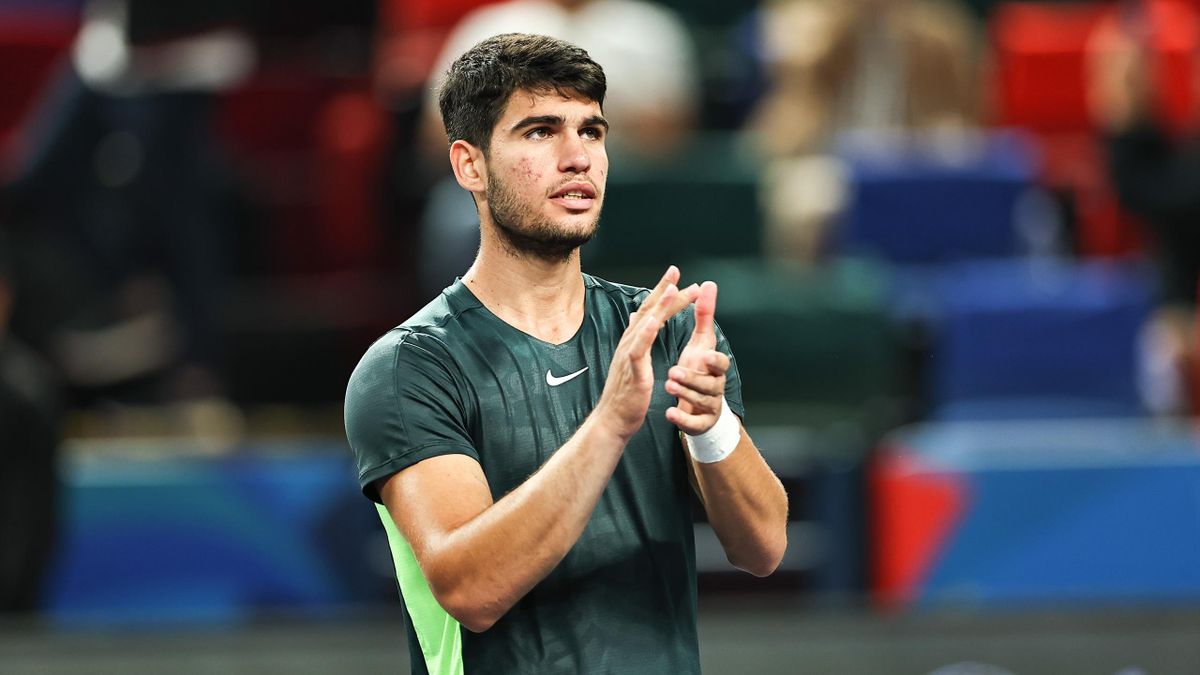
point(558, 120)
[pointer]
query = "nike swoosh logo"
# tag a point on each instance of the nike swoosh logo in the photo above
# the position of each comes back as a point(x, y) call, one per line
point(555, 381)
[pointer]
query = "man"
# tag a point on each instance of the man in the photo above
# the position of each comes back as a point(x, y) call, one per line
point(521, 432)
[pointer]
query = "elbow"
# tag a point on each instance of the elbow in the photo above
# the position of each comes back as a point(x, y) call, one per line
point(474, 619)
point(470, 609)
point(760, 566)
point(763, 558)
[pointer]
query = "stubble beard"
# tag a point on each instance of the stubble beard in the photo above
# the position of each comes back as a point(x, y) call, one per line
point(524, 233)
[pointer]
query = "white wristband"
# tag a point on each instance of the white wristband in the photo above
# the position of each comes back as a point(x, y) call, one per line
point(718, 442)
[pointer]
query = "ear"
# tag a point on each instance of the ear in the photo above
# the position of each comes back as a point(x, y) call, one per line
point(469, 165)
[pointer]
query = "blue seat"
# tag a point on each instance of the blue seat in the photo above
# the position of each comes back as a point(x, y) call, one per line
point(920, 204)
point(158, 537)
point(1021, 339)
point(1004, 514)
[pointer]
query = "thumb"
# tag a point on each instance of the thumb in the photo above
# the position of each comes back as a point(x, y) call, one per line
point(704, 335)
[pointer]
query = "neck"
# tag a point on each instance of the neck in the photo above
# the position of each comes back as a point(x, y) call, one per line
point(543, 298)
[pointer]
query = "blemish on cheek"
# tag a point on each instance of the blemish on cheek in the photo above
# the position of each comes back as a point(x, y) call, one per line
point(526, 169)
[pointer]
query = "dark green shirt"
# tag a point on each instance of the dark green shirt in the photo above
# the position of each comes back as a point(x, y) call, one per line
point(455, 378)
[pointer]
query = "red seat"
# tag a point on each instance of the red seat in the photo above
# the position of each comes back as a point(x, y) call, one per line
point(351, 153)
point(413, 33)
point(1041, 60)
point(1039, 49)
point(31, 46)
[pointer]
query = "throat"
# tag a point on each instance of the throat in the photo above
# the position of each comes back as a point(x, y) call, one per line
point(552, 314)
point(553, 330)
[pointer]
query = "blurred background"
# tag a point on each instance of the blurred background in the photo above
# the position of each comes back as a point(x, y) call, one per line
point(958, 245)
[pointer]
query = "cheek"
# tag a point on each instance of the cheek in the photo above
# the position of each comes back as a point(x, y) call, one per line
point(527, 172)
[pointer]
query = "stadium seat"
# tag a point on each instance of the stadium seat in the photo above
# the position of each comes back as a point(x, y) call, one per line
point(1038, 339)
point(1036, 514)
point(1039, 80)
point(160, 533)
point(915, 204)
point(1041, 60)
point(351, 145)
point(710, 13)
point(807, 339)
point(703, 203)
point(32, 44)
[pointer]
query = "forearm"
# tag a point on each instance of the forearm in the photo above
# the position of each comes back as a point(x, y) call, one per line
point(746, 506)
point(480, 569)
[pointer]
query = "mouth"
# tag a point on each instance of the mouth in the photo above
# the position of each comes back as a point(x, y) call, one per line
point(575, 196)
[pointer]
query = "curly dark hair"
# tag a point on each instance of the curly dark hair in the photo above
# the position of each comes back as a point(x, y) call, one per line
point(478, 85)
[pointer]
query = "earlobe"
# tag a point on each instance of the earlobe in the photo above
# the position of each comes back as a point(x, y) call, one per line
point(469, 166)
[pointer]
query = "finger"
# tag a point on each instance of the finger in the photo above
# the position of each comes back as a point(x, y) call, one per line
point(701, 403)
point(648, 326)
point(702, 382)
point(634, 318)
point(689, 423)
point(706, 308)
point(716, 363)
point(685, 297)
point(669, 278)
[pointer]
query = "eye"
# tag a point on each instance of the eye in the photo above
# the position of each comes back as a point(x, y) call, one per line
point(592, 133)
point(538, 133)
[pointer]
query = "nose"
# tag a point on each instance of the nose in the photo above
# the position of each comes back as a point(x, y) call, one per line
point(574, 156)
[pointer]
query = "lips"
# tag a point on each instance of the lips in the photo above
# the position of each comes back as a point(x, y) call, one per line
point(575, 196)
point(575, 191)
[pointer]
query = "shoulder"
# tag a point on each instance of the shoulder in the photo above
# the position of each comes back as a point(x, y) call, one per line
point(609, 300)
point(622, 293)
point(421, 344)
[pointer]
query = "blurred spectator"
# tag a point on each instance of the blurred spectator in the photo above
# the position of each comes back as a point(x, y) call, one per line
point(652, 102)
point(1157, 177)
point(833, 65)
point(645, 50)
point(120, 172)
point(411, 34)
point(29, 427)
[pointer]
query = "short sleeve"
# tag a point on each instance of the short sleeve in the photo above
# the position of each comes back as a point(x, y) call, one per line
point(403, 405)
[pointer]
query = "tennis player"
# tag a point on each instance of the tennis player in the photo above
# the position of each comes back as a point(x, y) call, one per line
point(531, 437)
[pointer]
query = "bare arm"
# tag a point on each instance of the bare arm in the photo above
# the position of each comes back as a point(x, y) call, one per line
point(745, 502)
point(746, 506)
point(481, 557)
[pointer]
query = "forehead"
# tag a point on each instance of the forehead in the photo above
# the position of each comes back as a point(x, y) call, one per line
point(524, 103)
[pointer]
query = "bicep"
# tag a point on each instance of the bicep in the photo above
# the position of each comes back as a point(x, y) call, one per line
point(430, 499)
